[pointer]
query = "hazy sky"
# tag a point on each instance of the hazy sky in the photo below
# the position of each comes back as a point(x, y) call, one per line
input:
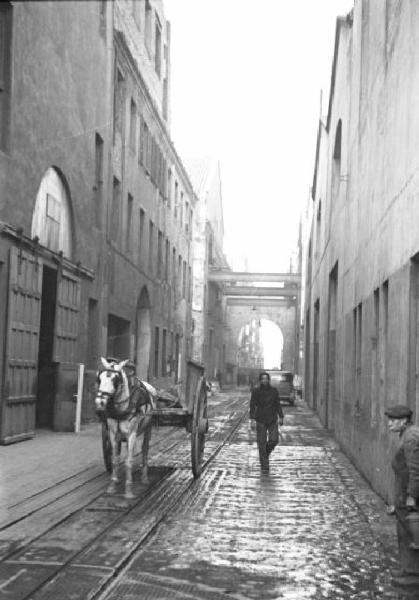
point(246, 80)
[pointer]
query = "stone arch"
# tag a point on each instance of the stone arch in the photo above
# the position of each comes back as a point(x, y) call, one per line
point(143, 334)
point(283, 316)
point(271, 341)
point(52, 219)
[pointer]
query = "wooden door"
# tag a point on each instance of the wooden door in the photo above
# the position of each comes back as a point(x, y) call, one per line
point(66, 318)
point(22, 345)
point(65, 350)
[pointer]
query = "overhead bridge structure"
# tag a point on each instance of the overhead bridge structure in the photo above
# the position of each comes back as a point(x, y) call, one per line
point(255, 296)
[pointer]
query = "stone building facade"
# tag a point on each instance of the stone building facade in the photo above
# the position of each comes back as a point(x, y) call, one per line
point(362, 268)
point(208, 303)
point(96, 208)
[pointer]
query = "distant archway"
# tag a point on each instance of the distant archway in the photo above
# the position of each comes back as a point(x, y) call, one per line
point(51, 219)
point(273, 344)
point(143, 335)
point(260, 345)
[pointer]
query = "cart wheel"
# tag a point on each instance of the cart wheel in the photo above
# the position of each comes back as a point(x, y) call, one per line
point(199, 427)
point(107, 448)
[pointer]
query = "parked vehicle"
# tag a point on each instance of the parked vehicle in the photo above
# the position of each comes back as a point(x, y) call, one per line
point(298, 385)
point(283, 381)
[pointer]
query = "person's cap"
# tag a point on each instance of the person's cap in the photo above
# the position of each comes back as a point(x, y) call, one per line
point(400, 411)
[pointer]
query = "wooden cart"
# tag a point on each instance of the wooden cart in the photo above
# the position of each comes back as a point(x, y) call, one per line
point(192, 415)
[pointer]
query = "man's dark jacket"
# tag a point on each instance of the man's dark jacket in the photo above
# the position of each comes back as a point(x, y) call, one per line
point(265, 406)
point(406, 466)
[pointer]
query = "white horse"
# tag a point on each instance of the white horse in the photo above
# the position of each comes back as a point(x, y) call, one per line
point(127, 407)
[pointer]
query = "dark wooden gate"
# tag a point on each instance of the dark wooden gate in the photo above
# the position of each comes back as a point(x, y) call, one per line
point(66, 318)
point(22, 344)
point(67, 315)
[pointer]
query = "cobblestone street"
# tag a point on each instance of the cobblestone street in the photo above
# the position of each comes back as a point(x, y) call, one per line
point(312, 528)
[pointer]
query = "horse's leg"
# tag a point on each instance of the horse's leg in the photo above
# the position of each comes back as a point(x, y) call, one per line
point(131, 439)
point(113, 438)
point(146, 444)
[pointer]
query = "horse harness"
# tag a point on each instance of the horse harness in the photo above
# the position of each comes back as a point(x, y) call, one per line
point(138, 397)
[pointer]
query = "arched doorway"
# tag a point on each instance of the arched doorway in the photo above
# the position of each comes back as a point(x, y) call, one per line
point(58, 324)
point(51, 219)
point(143, 335)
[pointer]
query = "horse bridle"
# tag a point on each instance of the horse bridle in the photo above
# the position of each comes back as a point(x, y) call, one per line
point(108, 395)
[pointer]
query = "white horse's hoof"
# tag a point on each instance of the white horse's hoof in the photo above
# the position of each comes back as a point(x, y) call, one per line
point(129, 494)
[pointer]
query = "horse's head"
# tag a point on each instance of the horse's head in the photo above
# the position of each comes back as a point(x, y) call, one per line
point(110, 383)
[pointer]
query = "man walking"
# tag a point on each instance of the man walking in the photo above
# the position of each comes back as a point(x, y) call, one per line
point(265, 409)
point(406, 469)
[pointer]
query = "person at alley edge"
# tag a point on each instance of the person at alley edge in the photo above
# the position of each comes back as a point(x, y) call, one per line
point(265, 409)
point(405, 464)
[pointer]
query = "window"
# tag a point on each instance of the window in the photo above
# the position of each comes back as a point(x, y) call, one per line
point(156, 351)
point(159, 254)
point(176, 199)
point(166, 260)
point(118, 341)
point(184, 280)
point(169, 188)
point(133, 125)
point(116, 201)
point(177, 357)
point(211, 250)
point(172, 350)
point(143, 140)
point(174, 269)
point(150, 246)
point(181, 209)
point(146, 147)
point(5, 71)
point(357, 352)
point(102, 17)
point(190, 284)
point(148, 15)
point(129, 225)
point(179, 261)
point(118, 102)
point(52, 222)
point(141, 237)
point(384, 358)
point(92, 333)
point(375, 356)
point(190, 222)
point(98, 186)
point(187, 217)
point(337, 155)
point(51, 219)
point(163, 353)
point(157, 48)
point(152, 168)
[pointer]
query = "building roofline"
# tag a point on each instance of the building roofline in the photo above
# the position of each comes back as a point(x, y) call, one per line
point(340, 22)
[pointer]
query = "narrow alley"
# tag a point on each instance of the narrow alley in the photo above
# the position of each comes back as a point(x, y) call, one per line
point(311, 528)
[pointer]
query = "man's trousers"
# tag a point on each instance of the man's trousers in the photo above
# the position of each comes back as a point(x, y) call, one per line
point(267, 438)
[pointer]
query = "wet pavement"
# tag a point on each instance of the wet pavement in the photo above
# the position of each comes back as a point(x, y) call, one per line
point(311, 528)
